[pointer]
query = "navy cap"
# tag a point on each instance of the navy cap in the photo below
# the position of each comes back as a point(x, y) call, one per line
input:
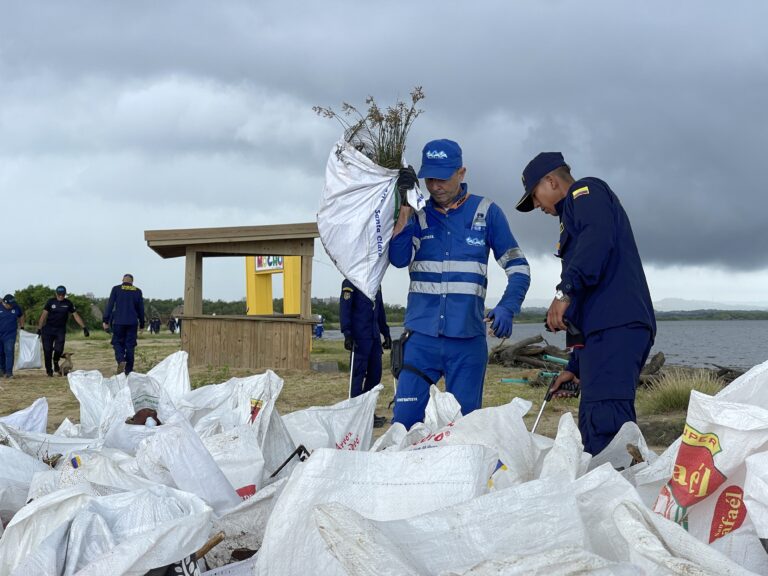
point(61, 290)
point(440, 159)
point(9, 299)
point(537, 168)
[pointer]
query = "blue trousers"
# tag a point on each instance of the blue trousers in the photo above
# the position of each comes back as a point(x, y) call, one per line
point(461, 360)
point(124, 343)
point(366, 369)
point(7, 345)
point(609, 368)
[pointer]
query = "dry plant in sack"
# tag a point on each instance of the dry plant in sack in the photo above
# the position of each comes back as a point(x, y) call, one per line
point(379, 134)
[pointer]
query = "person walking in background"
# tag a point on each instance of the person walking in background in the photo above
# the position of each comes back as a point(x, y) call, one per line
point(125, 315)
point(172, 325)
point(52, 328)
point(363, 322)
point(11, 319)
point(602, 291)
point(446, 248)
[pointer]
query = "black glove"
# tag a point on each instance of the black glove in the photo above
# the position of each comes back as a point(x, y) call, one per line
point(406, 179)
point(86, 332)
point(39, 332)
point(348, 342)
point(387, 343)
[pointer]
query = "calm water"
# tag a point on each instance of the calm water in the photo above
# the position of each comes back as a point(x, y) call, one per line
point(735, 343)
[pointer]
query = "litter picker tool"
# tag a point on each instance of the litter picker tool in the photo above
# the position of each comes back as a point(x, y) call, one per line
point(351, 369)
point(570, 386)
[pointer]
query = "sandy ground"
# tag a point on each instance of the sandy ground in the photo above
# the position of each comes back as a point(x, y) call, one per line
point(302, 388)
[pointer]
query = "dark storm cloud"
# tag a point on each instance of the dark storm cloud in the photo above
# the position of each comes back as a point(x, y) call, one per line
point(664, 101)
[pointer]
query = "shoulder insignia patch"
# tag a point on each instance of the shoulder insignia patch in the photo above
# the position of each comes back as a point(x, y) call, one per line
point(562, 227)
point(347, 295)
point(580, 192)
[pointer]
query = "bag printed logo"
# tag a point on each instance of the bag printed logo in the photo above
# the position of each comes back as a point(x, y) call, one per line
point(730, 513)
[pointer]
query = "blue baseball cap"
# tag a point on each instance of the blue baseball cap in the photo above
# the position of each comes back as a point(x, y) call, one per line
point(61, 290)
point(440, 159)
point(537, 168)
point(9, 299)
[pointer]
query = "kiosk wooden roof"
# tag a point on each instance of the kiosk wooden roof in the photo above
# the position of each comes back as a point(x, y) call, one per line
point(276, 341)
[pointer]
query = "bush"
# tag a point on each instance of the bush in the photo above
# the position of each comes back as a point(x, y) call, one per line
point(672, 392)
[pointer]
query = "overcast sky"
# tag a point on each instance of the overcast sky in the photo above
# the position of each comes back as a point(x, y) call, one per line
point(120, 117)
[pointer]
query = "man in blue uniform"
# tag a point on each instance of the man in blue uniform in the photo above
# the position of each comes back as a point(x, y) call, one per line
point(52, 328)
point(446, 247)
point(363, 322)
point(124, 313)
point(11, 319)
point(602, 291)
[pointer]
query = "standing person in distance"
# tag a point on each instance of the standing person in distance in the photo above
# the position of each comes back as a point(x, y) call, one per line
point(11, 319)
point(602, 291)
point(363, 322)
point(125, 315)
point(446, 248)
point(52, 328)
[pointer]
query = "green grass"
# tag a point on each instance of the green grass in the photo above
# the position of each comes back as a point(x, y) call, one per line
point(673, 390)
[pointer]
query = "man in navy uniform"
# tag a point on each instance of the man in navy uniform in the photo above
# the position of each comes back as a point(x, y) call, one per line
point(446, 248)
point(602, 291)
point(52, 328)
point(363, 322)
point(11, 319)
point(124, 314)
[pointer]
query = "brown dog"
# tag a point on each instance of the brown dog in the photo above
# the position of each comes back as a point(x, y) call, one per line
point(66, 364)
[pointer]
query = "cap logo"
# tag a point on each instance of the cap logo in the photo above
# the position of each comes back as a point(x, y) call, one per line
point(436, 155)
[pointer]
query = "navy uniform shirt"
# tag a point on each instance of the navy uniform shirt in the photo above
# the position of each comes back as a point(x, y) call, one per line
point(601, 268)
point(9, 319)
point(58, 312)
point(125, 306)
point(359, 317)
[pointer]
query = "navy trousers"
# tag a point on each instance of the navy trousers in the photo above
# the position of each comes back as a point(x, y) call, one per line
point(609, 368)
point(124, 343)
point(366, 369)
point(7, 345)
point(53, 345)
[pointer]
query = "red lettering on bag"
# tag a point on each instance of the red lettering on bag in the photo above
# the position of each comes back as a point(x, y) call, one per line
point(730, 512)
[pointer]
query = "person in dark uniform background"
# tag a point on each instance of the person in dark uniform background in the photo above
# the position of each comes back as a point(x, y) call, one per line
point(11, 319)
point(363, 322)
point(52, 328)
point(602, 291)
point(125, 315)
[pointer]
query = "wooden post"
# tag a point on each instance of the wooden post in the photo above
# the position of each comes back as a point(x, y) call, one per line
point(306, 287)
point(193, 282)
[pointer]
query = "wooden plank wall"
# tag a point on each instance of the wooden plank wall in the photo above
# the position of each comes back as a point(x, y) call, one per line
point(246, 343)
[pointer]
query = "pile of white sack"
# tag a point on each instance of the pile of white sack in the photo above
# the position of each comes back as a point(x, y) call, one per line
point(456, 495)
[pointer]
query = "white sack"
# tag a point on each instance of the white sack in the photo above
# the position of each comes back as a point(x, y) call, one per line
point(756, 492)
point(33, 418)
point(380, 485)
point(357, 209)
point(566, 458)
point(95, 394)
point(568, 561)
point(172, 375)
point(706, 492)
point(442, 409)
point(176, 452)
point(30, 352)
point(68, 429)
point(237, 454)
point(347, 425)
point(41, 446)
point(116, 433)
point(16, 473)
point(520, 520)
point(616, 451)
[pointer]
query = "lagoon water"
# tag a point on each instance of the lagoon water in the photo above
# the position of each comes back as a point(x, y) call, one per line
point(702, 343)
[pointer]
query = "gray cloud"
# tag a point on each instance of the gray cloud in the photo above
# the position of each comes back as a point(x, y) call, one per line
point(201, 111)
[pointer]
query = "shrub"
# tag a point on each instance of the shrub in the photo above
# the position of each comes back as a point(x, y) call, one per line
point(672, 392)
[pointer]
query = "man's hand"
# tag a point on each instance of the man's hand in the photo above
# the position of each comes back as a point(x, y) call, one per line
point(406, 179)
point(387, 343)
point(564, 376)
point(141, 325)
point(105, 326)
point(501, 322)
point(348, 343)
point(39, 331)
point(555, 315)
point(86, 332)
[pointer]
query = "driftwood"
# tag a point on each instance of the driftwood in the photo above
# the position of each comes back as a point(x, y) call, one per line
point(528, 353)
point(654, 364)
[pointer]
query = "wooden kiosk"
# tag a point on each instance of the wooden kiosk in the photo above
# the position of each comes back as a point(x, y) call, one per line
point(268, 341)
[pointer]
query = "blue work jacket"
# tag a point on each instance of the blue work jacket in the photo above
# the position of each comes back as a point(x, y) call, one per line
point(447, 256)
point(9, 319)
point(361, 318)
point(601, 268)
point(125, 306)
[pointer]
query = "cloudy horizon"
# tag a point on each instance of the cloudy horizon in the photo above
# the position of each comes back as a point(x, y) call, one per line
point(116, 118)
